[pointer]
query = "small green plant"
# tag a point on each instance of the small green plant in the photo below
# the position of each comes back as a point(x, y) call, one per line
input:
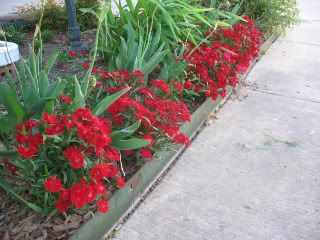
point(139, 52)
point(37, 94)
point(12, 34)
point(46, 35)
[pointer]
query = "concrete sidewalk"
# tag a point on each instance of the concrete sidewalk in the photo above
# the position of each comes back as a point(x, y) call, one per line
point(8, 8)
point(255, 172)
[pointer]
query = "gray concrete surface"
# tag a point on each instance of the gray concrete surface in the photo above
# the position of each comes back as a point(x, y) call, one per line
point(8, 7)
point(255, 172)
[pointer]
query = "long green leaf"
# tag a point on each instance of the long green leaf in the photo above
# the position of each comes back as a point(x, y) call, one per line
point(126, 132)
point(13, 105)
point(9, 189)
point(133, 143)
point(79, 99)
point(51, 62)
point(8, 153)
point(107, 101)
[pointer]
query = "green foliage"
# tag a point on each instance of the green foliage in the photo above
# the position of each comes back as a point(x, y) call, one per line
point(179, 20)
point(138, 51)
point(86, 21)
point(55, 15)
point(47, 35)
point(12, 34)
point(37, 94)
point(269, 15)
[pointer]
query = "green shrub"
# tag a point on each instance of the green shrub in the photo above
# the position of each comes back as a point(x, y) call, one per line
point(46, 35)
point(55, 15)
point(12, 34)
point(272, 14)
point(269, 15)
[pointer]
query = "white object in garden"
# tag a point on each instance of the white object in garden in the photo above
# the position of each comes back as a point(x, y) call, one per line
point(114, 6)
point(9, 53)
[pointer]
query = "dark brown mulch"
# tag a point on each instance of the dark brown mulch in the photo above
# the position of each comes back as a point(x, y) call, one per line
point(59, 42)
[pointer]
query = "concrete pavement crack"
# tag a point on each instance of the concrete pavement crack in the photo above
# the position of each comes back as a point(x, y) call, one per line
point(305, 43)
point(291, 97)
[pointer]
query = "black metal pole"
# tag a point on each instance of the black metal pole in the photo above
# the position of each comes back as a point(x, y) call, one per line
point(73, 27)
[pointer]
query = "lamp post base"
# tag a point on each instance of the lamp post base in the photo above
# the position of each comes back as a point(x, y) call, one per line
point(73, 28)
point(75, 40)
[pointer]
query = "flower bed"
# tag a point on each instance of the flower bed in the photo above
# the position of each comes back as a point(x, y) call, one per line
point(69, 147)
point(125, 199)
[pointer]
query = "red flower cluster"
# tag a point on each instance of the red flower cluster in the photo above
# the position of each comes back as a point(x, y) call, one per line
point(217, 65)
point(75, 157)
point(10, 166)
point(80, 194)
point(88, 138)
point(160, 84)
point(155, 109)
point(65, 99)
point(28, 142)
point(52, 184)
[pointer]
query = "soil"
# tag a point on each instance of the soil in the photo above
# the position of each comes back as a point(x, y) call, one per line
point(59, 42)
point(21, 223)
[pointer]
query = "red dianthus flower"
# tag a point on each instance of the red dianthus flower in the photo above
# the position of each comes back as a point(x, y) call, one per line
point(52, 184)
point(103, 205)
point(75, 157)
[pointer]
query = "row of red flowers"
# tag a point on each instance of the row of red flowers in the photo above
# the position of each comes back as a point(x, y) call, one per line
point(68, 157)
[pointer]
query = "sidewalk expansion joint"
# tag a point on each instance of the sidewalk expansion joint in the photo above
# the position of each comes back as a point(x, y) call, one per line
point(310, 20)
point(305, 43)
point(285, 96)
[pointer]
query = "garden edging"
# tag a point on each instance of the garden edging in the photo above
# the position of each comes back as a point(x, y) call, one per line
point(125, 199)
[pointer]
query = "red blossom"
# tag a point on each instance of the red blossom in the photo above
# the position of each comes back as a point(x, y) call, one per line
point(99, 84)
point(138, 73)
point(161, 84)
point(52, 184)
point(36, 139)
point(91, 193)
point(78, 195)
point(178, 86)
point(66, 99)
point(188, 85)
point(120, 181)
point(62, 206)
point(103, 206)
point(27, 151)
point(55, 129)
point(112, 154)
point(148, 137)
point(27, 125)
point(72, 53)
point(182, 139)
point(10, 166)
point(100, 188)
point(64, 194)
point(49, 118)
point(84, 52)
point(86, 66)
point(99, 171)
point(66, 120)
point(75, 157)
point(146, 153)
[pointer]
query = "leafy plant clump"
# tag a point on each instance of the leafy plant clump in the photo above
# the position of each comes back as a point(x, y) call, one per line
point(269, 15)
point(13, 34)
point(55, 15)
